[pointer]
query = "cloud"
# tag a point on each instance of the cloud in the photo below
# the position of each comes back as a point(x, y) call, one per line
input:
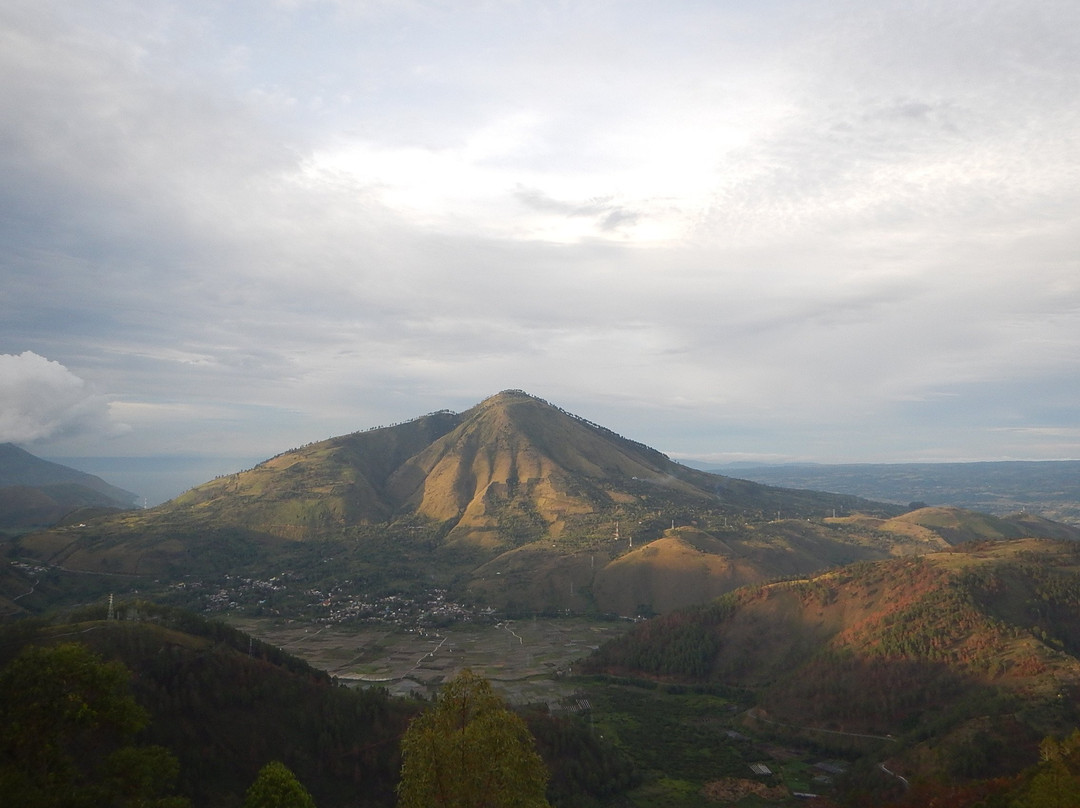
point(280, 221)
point(40, 399)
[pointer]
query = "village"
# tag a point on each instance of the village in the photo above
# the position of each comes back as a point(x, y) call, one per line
point(268, 598)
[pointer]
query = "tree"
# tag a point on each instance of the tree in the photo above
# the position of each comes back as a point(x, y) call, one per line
point(277, 787)
point(470, 751)
point(1054, 786)
point(65, 717)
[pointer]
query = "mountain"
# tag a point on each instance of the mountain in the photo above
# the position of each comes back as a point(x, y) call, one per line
point(956, 660)
point(512, 469)
point(36, 492)
point(514, 503)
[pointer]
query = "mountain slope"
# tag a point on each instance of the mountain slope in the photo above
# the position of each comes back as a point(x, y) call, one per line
point(36, 492)
point(19, 467)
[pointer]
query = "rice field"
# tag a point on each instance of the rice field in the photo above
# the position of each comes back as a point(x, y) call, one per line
point(526, 660)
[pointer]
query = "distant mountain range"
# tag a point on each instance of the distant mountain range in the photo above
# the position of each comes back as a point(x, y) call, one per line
point(36, 493)
point(513, 503)
point(1050, 488)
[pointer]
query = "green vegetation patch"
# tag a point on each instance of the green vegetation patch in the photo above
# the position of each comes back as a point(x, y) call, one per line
point(680, 736)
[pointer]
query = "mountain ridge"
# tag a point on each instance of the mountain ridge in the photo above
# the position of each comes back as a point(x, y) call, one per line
point(1048, 487)
point(36, 492)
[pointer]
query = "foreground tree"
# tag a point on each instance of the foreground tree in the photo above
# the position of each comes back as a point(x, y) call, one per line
point(277, 787)
point(470, 751)
point(65, 719)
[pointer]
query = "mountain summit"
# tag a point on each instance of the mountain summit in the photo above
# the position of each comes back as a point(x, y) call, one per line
point(514, 468)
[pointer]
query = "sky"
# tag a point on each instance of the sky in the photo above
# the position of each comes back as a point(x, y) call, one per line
point(805, 230)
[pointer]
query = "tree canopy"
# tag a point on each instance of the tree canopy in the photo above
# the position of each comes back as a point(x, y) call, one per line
point(277, 787)
point(470, 751)
point(65, 721)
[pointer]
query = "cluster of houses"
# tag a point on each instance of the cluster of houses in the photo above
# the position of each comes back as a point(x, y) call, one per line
point(340, 605)
point(430, 609)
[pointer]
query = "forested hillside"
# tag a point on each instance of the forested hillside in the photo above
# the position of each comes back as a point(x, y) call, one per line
point(920, 649)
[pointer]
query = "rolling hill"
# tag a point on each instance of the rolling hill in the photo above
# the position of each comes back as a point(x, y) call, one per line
point(513, 503)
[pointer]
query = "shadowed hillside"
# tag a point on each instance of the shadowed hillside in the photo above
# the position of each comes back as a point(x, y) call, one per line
point(35, 493)
point(226, 705)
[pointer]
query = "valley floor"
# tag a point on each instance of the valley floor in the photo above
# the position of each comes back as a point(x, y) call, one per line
point(527, 659)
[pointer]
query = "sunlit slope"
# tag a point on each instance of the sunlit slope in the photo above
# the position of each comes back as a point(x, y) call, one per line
point(944, 527)
point(689, 566)
point(515, 459)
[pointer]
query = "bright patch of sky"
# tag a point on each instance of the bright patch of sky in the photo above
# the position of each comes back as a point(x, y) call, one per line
point(815, 230)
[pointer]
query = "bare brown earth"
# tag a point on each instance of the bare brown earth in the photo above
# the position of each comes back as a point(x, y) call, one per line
point(732, 790)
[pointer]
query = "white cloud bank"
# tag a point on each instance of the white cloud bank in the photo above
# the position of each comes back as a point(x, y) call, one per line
point(41, 400)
